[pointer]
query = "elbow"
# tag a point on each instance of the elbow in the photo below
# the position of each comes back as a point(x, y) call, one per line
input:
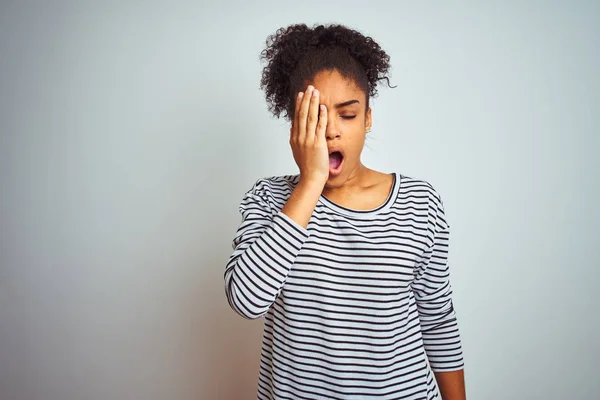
point(245, 307)
point(243, 310)
point(250, 316)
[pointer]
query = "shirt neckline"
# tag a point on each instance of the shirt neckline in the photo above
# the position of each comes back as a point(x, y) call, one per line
point(386, 205)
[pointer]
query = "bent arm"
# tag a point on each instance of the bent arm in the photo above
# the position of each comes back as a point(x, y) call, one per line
point(265, 247)
point(259, 266)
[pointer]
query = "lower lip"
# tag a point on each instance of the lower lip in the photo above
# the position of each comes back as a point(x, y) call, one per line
point(338, 170)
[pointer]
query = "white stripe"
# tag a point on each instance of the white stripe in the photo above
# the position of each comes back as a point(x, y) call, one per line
point(356, 303)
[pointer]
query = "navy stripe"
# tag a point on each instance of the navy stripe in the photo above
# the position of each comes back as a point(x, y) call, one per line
point(357, 304)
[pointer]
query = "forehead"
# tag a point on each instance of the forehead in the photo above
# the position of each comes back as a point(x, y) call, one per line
point(335, 87)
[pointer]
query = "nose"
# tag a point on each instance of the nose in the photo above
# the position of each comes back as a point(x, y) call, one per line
point(331, 132)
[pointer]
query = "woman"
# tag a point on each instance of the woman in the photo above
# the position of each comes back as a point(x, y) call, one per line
point(347, 265)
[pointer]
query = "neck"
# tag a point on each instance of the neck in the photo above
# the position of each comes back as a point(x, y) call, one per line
point(357, 180)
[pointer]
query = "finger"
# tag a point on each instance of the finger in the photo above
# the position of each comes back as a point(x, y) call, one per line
point(313, 116)
point(294, 130)
point(322, 126)
point(303, 113)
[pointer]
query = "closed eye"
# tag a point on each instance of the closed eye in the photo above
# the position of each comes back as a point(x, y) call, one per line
point(348, 116)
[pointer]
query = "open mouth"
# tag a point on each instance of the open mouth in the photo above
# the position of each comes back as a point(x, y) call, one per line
point(335, 161)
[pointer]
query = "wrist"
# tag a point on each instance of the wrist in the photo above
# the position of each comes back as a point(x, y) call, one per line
point(313, 184)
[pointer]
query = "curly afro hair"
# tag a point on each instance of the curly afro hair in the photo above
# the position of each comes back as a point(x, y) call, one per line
point(297, 53)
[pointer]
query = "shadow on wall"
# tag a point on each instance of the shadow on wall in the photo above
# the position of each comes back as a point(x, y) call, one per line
point(228, 345)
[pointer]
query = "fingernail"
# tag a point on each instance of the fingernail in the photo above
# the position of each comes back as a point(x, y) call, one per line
point(300, 94)
point(315, 93)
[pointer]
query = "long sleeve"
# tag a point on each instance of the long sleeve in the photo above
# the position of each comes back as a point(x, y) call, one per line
point(264, 249)
point(433, 295)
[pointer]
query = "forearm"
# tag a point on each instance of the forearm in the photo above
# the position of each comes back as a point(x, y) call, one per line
point(451, 384)
point(302, 202)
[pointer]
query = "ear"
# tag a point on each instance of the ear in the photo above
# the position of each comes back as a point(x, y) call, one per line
point(368, 120)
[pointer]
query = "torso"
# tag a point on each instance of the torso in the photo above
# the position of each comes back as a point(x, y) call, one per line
point(347, 315)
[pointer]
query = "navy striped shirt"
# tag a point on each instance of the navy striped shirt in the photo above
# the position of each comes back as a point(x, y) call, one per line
point(357, 305)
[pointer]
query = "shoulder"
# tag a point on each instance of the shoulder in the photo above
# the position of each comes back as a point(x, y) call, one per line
point(420, 187)
point(275, 184)
point(274, 190)
point(426, 192)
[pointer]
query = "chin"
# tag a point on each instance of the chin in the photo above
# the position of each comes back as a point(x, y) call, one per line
point(336, 181)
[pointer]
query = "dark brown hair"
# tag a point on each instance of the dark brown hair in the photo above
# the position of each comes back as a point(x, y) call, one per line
point(295, 54)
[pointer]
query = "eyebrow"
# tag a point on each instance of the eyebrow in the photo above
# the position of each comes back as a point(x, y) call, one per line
point(346, 103)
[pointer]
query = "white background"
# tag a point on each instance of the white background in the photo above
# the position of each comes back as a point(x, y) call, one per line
point(130, 131)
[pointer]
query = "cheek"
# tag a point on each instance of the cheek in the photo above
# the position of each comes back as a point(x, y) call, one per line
point(356, 142)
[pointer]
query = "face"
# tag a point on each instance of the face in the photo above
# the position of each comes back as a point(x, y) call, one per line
point(347, 122)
